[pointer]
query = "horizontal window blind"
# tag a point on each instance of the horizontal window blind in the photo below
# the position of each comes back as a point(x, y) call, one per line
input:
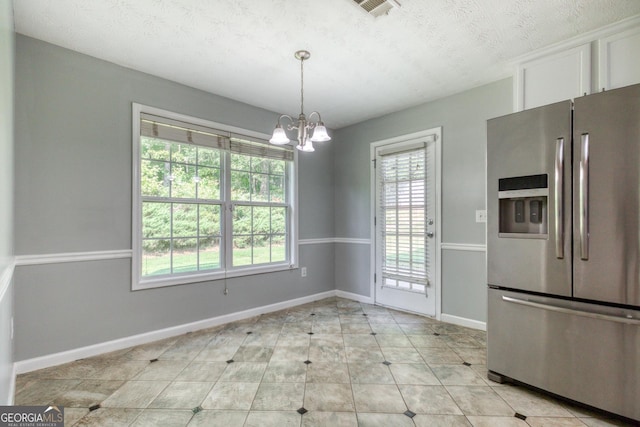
point(254, 147)
point(402, 181)
point(174, 130)
point(186, 133)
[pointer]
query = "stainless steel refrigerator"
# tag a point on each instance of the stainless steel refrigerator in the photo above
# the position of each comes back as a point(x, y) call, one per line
point(563, 249)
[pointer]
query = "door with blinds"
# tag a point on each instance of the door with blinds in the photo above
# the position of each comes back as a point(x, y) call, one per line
point(405, 224)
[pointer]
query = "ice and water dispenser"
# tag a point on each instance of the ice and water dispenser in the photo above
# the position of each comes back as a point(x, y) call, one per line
point(523, 206)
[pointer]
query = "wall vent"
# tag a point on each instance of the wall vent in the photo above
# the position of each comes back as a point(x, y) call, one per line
point(377, 7)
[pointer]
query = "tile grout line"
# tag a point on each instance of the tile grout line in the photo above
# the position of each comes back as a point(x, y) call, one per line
point(456, 344)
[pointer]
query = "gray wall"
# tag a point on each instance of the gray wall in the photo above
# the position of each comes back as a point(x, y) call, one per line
point(463, 119)
point(6, 197)
point(73, 194)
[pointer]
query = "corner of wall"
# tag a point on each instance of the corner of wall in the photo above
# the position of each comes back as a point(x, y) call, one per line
point(7, 143)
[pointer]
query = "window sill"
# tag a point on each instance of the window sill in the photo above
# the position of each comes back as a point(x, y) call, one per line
point(186, 279)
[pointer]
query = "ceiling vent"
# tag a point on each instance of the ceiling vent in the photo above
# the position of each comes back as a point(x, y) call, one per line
point(377, 7)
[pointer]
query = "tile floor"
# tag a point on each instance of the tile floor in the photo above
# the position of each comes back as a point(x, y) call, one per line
point(333, 363)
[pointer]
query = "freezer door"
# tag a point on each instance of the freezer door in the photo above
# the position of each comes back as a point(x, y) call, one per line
point(528, 226)
point(585, 352)
point(606, 188)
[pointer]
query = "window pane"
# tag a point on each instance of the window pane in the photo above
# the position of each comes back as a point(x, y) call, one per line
point(278, 220)
point(417, 250)
point(183, 182)
point(240, 186)
point(185, 220)
point(277, 167)
point(276, 189)
point(208, 157)
point(261, 220)
point(185, 255)
point(404, 285)
point(391, 253)
point(156, 220)
point(259, 165)
point(240, 162)
point(208, 181)
point(241, 251)
point(210, 220)
point(261, 250)
point(156, 149)
point(278, 249)
point(259, 187)
point(183, 153)
point(242, 220)
point(156, 257)
point(154, 178)
point(209, 253)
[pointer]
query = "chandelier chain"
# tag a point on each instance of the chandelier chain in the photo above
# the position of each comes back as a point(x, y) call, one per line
point(302, 85)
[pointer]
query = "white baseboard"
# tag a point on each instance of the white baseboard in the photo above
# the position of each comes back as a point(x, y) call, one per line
point(462, 321)
point(355, 297)
point(28, 365)
point(49, 360)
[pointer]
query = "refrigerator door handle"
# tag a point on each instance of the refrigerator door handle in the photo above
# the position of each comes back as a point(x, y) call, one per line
point(559, 198)
point(630, 320)
point(584, 197)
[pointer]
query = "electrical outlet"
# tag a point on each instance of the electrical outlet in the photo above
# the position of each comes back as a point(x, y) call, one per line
point(303, 272)
point(481, 216)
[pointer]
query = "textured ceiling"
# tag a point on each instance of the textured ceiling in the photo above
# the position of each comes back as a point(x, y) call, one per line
point(360, 67)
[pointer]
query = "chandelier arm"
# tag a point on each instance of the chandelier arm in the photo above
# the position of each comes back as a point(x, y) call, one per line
point(290, 126)
point(283, 116)
point(314, 124)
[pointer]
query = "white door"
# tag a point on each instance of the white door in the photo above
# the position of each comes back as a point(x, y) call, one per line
point(406, 224)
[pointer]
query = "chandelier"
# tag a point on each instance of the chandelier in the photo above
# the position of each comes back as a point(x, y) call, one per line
point(304, 127)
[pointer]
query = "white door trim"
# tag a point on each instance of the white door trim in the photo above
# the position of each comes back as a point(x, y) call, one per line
point(436, 133)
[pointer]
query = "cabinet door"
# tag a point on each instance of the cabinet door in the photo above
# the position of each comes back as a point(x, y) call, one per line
point(620, 59)
point(553, 78)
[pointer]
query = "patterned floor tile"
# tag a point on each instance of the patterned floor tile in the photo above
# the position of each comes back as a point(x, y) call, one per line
point(333, 362)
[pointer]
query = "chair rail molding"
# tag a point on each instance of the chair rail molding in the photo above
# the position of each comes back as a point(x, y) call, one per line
point(348, 240)
point(72, 257)
point(6, 275)
point(469, 247)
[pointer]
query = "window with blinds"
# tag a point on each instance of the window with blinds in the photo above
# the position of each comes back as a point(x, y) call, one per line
point(402, 215)
point(209, 202)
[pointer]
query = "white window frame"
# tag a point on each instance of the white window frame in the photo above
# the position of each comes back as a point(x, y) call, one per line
point(227, 271)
